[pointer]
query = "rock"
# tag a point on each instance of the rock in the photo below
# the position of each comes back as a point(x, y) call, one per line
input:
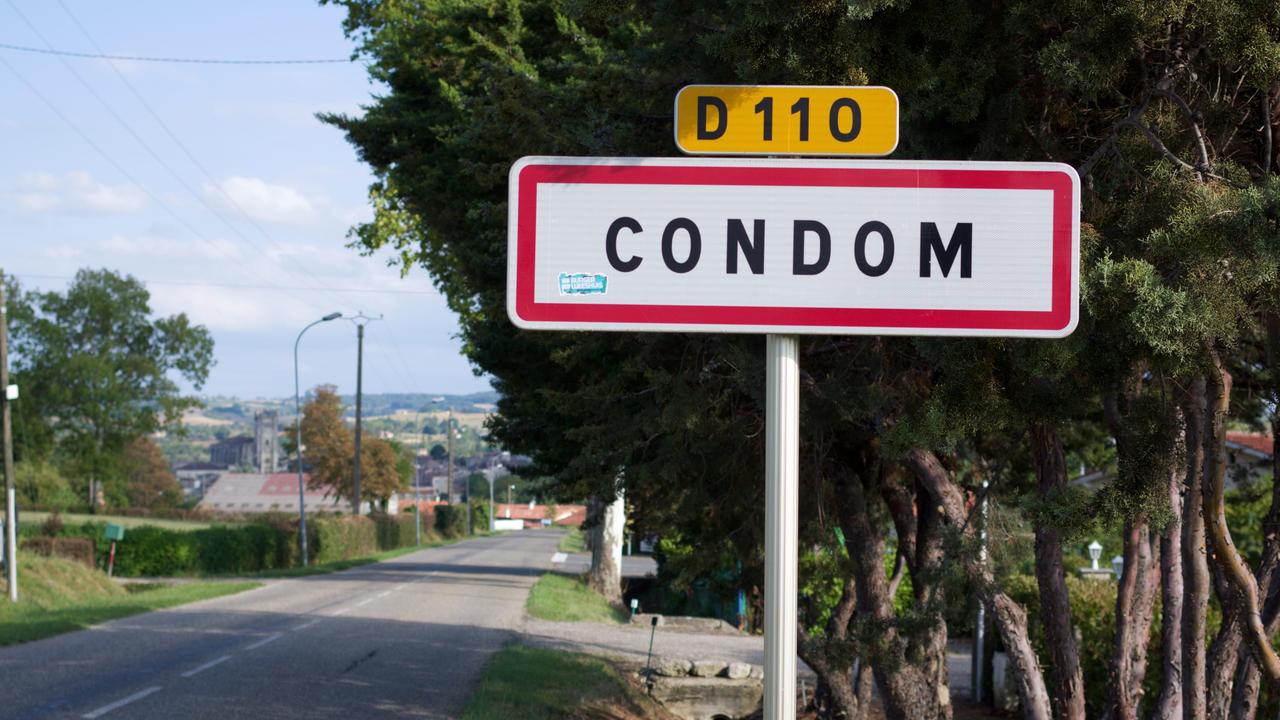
point(738, 671)
point(672, 666)
point(694, 698)
point(757, 672)
point(708, 668)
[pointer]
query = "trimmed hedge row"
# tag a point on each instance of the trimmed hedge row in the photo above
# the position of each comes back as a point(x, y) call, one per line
point(267, 543)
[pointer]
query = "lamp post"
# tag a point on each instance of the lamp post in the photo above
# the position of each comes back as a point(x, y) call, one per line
point(1095, 553)
point(1117, 566)
point(297, 424)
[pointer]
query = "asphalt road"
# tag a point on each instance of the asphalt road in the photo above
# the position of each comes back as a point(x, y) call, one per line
point(403, 638)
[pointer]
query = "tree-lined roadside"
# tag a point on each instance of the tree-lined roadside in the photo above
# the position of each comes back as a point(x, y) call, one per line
point(1168, 114)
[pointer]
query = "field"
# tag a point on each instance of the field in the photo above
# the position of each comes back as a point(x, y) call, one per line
point(36, 518)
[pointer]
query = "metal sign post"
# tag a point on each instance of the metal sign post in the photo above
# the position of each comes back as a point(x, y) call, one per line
point(781, 523)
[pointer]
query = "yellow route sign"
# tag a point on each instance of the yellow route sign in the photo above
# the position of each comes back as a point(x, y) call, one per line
point(786, 120)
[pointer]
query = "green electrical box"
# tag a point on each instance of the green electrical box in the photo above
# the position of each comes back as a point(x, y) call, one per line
point(115, 532)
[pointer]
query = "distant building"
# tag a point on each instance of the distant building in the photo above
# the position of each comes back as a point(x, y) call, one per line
point(237, 451)
point(196, 477)
point(266, 439)
point(1248, 457)
point(247, 493)
point(534, 515)
point(260, 452)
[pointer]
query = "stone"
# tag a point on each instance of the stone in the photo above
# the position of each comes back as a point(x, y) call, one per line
point(738, 671)
point(672, 666)
point(708, 668)
point(694, 698)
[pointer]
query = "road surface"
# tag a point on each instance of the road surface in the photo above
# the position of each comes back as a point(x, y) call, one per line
point(405, 638)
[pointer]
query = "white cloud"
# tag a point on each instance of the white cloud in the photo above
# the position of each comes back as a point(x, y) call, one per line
point(75, 193)
point(230, 309)
point(263, 201)
point(158, 246)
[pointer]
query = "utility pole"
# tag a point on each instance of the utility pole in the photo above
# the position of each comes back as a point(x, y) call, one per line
point(11, 505)
point(360, 320)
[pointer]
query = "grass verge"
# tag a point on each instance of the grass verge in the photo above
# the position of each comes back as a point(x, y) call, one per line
point(533, 684)
point(58, 596)
point(337, 565)
point(573, 541)
point(567, 598)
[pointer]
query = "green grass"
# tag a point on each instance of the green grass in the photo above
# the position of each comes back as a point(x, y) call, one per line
point(573, 541)
point(338, 565)
point(535, 684)
point(57, 596)
point(32, 517)
point(567, 598)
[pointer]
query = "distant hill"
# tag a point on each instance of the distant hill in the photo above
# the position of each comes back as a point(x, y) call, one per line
point(238, 410)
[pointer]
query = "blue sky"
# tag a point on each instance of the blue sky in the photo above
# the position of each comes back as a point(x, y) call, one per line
point(234, 205)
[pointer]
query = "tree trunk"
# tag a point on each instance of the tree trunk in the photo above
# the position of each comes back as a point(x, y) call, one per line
point(1242, 595)
point(1135, 605)
point(606, 551)
point(1169, 701)
point(833, 657)
point(1194, 563)
point(1010, 617)
point(1055, 615)
point(909, 689)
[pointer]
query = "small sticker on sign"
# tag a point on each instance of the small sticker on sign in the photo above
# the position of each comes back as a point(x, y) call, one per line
point(583, 284)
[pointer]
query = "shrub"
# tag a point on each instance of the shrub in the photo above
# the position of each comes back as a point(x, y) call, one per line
point(342, 538)
point(154, 551)
point(395, 531)
point(451, 521)
point(81, 550)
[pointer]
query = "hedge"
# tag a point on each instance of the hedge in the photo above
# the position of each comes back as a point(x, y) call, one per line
point(72, 548)
point(451, 520)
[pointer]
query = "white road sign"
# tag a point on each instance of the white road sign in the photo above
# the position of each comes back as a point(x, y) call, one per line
point(794, 246)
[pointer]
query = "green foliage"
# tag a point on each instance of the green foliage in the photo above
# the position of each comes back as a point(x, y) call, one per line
point(97, 371)
point(451, 521)
point(40, 484)
point(342, 538)
point(1246, 509)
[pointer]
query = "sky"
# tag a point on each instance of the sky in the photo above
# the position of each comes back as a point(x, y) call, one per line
point(214, 184)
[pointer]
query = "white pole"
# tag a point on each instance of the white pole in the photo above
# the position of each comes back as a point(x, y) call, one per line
point(781, 523)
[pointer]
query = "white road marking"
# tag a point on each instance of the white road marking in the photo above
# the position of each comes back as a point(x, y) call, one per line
point(120, 703)
point(306, 625)
point(364, 602)
point(398, 588)
point(559, 557)
point(343, 611)
point(271, 638)
point(206, 666)
point(384, 594)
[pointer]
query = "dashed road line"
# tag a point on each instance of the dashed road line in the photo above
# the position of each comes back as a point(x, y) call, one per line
point(306, 625)
point(384, 594)
point(343, 611)
point(271, 638)
point(398, 588)
point(364, 602)
point(206, 666)
point(120, 703)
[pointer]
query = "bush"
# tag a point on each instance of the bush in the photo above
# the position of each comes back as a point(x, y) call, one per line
point(451, 520)
point(154, 551)
point(342, 538)
point(394, 531)
point(81, 550)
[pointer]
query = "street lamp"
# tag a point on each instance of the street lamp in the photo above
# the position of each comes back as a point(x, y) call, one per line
point(1095, 553)
point(297, 424)
point(1117, 565)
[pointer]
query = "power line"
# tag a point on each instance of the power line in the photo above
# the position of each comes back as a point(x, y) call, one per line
point(242, 286)
point(188, 61)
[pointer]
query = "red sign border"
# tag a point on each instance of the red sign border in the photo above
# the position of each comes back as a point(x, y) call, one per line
point(1058, 319)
